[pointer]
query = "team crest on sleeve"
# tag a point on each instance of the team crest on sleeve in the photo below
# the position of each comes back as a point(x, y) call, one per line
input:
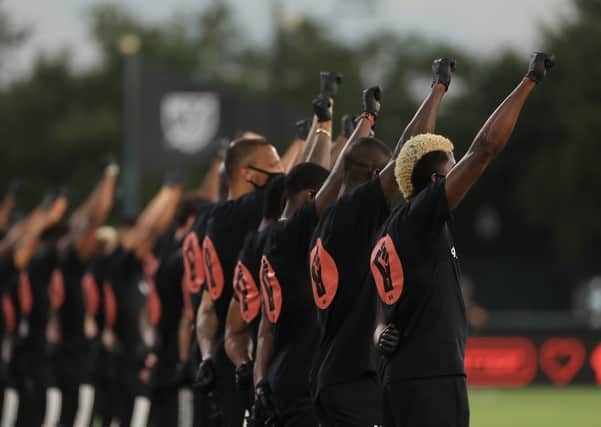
point(193, 265)
point(387, 270)
point(212, 268)
point(272, 291)
point(247, 292)
point(324, 276)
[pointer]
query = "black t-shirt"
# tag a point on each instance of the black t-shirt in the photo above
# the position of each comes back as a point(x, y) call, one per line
point(227, 229)
point(40, 271)
point(339, 266)
point(168, 281)
point(8, 280)
point(247, 283)
point(126, 279)
point(289, 305)
point(416, 272)
point(192, 255)
point(72, 312)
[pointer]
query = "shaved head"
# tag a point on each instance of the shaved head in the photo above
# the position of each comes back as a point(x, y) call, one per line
point(363, 159)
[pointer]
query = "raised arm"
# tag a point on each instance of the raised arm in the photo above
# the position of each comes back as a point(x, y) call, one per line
point(495, 133)
point(6, 207)
point(154, 220)
point(329, 191)
point(209, 189)
point(84, 222)
point(29, 240)
point(346, 130)
point(424, 120)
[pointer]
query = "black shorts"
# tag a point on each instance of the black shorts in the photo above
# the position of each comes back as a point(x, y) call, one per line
point(427, 402)
point(353, 404)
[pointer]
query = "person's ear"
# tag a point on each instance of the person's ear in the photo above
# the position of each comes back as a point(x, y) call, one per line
point(246, 174)
point(434, 176)
point(311, 194)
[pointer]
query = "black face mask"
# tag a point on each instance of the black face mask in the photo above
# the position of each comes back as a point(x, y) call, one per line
point(270, 176)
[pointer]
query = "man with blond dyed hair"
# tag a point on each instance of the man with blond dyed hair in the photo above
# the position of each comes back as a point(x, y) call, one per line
point(422, 327)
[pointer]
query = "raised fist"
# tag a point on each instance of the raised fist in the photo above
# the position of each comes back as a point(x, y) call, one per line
point(321, 108)
point(329, 82)
point(540, 62)
point(442, 69)
point(348, 124)
point(302, 129)
point(371, 101)
point(389, 340)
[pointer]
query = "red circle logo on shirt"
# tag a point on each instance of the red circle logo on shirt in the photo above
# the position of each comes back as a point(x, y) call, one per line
point(212, 268)
point(25, 295)
point(324, 276)
point(10, 317)
point(90, 291)
point(387, 270)
point(272, 291)
point(56, 290)
point(193, 265)
point(110, 305)
point(247, 292)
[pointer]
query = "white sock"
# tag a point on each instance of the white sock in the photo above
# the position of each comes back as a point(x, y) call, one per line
point(54, 402)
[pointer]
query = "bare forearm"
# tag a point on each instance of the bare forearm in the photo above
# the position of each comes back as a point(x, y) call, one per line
point(320, 152)
point(264, 350)
point(336, 149)
point(292, 154)
point(209, 188)
point(185, 338)
point(206, 328)
point(331, 187)
point(491, 139)
point(237, 345)
point(424, 120)
point(310, 141)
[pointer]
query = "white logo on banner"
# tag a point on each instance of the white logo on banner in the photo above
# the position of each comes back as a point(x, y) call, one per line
point(189, 120)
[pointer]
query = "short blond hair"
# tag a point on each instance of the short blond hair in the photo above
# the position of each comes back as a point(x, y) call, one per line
point(413, 150)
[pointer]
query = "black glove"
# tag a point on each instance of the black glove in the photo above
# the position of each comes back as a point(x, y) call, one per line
point(321, 108)
point(302, 129)
point(264, 411)
point(348, 124)
point(184, 373)
point(371, 104)
point(389, 339)
point(540, 62)
point(206, 376)
point(329, 82)
point(442, 69)
point(244, 375)
point(173, 178)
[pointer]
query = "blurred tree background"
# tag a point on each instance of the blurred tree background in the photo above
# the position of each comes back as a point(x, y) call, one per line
point(529, 231)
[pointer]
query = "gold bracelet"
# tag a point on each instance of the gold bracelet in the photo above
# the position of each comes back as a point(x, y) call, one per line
point(320, 130)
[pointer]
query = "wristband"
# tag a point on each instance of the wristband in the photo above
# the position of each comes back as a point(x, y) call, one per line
point(370, 117)
point(320, 130)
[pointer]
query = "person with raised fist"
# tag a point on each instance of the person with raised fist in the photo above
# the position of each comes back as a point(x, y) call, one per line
point(347, 389)
point(415, 269)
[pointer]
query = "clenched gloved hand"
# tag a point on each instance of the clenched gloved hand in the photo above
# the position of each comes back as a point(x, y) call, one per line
point(389, 339)
point(348, 124)
point(321, 108)
point(302, 129)
point(442, 70)
point(540, 62)
point(264, 411)
point(206, 376)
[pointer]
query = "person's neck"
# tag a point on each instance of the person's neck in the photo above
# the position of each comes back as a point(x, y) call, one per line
point(239, 189)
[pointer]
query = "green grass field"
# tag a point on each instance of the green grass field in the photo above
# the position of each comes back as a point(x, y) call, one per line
point(536, 407)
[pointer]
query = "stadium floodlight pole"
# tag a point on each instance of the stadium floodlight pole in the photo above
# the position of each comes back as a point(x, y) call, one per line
point(129, 46)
